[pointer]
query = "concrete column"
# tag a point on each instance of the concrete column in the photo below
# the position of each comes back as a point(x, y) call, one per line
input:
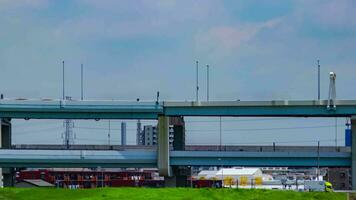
point(8, 175)
point(164, 168)
point(353, 151)
point(180, 173)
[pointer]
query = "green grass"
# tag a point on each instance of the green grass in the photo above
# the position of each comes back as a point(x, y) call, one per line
point(162, 194)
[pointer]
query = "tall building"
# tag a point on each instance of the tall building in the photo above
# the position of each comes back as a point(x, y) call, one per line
point(149, 135)
point(123, 133)
point(139, 135)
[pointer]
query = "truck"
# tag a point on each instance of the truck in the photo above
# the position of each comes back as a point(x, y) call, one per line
point(318, 186)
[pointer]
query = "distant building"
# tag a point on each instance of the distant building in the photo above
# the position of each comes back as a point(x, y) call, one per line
point(207, 174)
point(123, 133)
point(149, 135)
point(237, 172)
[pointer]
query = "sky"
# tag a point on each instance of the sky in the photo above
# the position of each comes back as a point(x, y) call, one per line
point(257, 50)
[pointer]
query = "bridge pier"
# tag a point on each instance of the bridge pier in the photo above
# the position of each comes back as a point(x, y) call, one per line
point(8, 175)
point(178, 178)
point(353, 152)
point(173, 177)
point(164, 168)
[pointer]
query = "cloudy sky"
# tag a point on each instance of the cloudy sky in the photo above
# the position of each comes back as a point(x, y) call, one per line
point(257, 50)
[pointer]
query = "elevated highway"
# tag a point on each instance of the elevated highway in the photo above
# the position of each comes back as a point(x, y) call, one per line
point(148, 158)
point(166, 159)
point(71, 109)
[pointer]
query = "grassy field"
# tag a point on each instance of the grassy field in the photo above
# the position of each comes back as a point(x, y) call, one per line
point(162, 194)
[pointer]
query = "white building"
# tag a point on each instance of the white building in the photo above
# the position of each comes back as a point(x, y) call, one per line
point(207, 174)
point(237, 172)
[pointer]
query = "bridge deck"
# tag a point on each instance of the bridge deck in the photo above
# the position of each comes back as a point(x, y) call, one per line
point(70, 109)
point(144, 158)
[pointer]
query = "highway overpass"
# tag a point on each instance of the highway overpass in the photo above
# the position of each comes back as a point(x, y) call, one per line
point(71, 109)
point(166, 159)
point(148, 158)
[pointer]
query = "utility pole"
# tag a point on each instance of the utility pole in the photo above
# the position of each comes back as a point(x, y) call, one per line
point(63, 91)
point(335, 132)
point(197, 81)
point(318, 80)
point(207, 82)
point(81, 82)
point(109, 133)
point(220, 133)
point(318, 167)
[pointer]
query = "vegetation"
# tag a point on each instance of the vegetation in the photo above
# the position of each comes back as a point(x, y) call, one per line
point(162, 194)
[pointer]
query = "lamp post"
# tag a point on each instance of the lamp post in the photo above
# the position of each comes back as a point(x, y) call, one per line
point(207, 82)
point(222, 172)
point(63, 80)
point(197, 81)
point(318, 80)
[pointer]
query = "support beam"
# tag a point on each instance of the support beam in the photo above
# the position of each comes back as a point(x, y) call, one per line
point(353, 151)
point(163, 147)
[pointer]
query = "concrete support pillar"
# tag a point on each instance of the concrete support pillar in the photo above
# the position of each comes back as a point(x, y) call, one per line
point(353, 151)
point(8, 175)
point(175, 181)
point(178, 178)
point(164, 168)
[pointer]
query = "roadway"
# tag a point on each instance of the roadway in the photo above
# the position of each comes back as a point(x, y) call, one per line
point(148, 158)
point(71, 109)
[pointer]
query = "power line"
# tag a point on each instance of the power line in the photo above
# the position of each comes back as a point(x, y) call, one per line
point(36, 131)
point(14, 125)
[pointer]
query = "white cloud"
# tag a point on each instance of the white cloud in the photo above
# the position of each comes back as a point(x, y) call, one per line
point(223, 40)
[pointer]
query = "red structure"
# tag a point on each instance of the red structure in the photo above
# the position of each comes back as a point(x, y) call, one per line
point(91, 178)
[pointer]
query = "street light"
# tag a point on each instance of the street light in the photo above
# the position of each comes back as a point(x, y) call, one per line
point(222, 172)
point(191, 174)
point(197, 81)
point(207, 82)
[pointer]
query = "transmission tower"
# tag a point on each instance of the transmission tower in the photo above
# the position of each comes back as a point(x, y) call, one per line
point(68, 135)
